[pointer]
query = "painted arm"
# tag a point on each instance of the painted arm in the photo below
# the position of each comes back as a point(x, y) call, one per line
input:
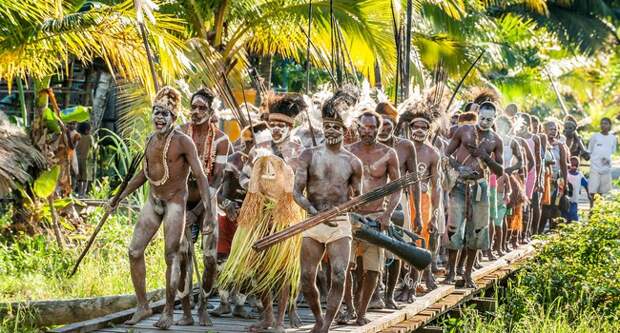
point(455, 142)
point(138, 180)
point(394, 174)
point(516, 152)
point(495, 163)
point(583, 152)
point(435, 194)
point(191, 155)
point(355, 183)
point(415, 189)
point(301, 181)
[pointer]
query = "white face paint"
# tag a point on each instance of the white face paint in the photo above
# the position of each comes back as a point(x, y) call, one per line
point(280, 131)
point(420, 130)
point(486, 118)
point(334, 132)
point(163, 120)
point(201, 111)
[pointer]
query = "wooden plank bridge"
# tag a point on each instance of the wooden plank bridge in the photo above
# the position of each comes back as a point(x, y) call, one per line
point(411, 317)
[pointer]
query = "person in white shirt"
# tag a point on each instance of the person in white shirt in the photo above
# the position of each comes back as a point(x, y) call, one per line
point(602, 145)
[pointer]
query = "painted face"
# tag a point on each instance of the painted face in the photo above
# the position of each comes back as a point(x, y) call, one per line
point(551, 130)
point(368, 130)
point(334, 132)
point(163, 120)
point(569, 129)
point(419, 130)
point(387, 130)
point(201, 111)
point(486, 118)
point(280, 131)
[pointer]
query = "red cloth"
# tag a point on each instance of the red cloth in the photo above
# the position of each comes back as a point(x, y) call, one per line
point(226, 230)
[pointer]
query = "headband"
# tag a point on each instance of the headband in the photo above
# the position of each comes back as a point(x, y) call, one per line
point(420, 119)
point(281, 117)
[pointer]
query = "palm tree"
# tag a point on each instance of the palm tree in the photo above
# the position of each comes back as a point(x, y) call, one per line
point(38, 37)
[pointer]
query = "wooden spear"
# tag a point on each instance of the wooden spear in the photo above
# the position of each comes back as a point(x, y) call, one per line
point(135, 163)
point(345, 207)
point(314, 144)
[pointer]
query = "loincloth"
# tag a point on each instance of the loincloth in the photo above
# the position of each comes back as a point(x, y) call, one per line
point(373, 257)
point(472, 234)
point(326, 234)
point(515, 221)
point(425, 202)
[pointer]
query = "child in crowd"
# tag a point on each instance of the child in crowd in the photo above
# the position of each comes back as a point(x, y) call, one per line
point(576, 181)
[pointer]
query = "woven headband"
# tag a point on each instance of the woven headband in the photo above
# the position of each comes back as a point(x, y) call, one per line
point(281, 117)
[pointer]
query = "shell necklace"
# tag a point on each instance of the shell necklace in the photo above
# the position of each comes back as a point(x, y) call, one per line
point(206, 148)
point(164, 154)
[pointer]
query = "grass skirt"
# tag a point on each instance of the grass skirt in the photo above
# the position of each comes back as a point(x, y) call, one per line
point(270, 270)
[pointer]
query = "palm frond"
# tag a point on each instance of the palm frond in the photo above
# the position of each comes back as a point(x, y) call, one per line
point(39, 41)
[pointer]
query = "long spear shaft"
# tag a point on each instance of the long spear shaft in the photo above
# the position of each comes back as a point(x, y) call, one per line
point(134, 165)
point(331, 75)
point(458, 87)
point(149, 54)
point(308, 71)
point(324, 216)
point(556, 91)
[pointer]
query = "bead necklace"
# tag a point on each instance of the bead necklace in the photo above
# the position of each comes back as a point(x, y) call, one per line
point(164, 154)
point(207, 147)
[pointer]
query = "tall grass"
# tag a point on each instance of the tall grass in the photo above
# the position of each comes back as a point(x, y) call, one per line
point(33, 268)
point(572, 285)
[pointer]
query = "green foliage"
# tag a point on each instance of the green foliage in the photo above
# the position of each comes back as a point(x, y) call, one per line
point(576, 269)
point(572, 285)
point(45, 185)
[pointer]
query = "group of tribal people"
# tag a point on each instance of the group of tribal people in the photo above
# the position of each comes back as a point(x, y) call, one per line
point(488, 178)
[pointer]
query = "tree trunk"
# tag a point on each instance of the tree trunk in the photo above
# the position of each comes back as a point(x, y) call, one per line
point(265, 69)
point(68, 84)
point(100, 98)
point(378, 83)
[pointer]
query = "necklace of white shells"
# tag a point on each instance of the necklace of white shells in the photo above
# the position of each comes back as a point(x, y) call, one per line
point(164, 154)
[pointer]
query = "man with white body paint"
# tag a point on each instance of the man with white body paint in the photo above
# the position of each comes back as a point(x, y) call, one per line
point(213, 148)
point(476, 149)
point(169, 157)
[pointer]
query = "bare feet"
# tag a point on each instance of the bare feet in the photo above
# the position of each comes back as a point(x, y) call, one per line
point(240, 312)
point(477, 265)
point(203, 318)
point(165, 321)
point(344, 316)
point(469, 283)
point(449, 278)
point(376, 304)
point(431, 284)
point(141, 313)
point(221, 310)
point(361, 321)
point(261, 326)
point(390, 303)
point(490, 255)
point(185, 321)
point(294, 319)
point(317, 326)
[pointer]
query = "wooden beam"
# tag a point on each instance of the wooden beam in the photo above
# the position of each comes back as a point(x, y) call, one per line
point(430, 329)
point(485, 304)
point(407, 312)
